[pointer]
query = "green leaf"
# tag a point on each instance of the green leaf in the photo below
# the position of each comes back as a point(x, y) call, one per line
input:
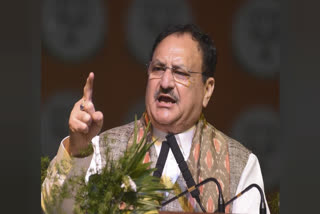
point(103, 192)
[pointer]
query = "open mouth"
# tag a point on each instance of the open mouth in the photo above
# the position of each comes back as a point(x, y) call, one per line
point(166, 99)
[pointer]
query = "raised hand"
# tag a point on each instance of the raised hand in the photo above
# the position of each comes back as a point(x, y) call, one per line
point(84, 122)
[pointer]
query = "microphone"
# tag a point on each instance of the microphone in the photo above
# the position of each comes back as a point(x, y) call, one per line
point(221, 204)
point(263, 209)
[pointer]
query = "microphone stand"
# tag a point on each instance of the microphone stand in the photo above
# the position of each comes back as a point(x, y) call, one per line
point(221, 204)
point(262, 202)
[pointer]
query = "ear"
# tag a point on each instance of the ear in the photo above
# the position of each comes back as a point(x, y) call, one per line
point(208, 90)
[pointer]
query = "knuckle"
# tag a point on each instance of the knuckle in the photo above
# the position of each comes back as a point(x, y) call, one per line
point(89, 105)
point(82, 127)
point(99, 116)
point(77, 129)
point(71, 123)
point(85, 128)
point(86, 118)
point(77, 116)
point(72, 129)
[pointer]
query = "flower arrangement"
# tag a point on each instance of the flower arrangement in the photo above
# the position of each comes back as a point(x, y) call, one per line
point(122, 186)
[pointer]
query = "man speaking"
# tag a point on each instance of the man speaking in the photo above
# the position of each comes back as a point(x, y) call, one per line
point(180, 84)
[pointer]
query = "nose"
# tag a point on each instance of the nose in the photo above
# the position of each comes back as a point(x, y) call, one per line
point(167, 80)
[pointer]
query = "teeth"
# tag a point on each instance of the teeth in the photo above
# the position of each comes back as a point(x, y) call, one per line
point(166, 99)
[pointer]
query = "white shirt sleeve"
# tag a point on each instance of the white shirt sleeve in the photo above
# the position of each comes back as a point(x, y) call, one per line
point(249, 202)
point(95, 164)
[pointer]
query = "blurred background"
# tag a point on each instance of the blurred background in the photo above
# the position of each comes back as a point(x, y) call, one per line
point(113, 39)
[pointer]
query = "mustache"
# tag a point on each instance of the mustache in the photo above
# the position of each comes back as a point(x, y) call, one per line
point(167, 92)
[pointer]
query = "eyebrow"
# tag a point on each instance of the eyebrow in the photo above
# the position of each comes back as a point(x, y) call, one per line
point(158, 62)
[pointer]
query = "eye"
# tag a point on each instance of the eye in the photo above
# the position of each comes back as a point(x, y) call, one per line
point(181, 73)
point(157, 68)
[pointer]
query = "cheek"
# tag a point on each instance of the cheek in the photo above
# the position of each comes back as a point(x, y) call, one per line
point(194, 99)
point(150, 90)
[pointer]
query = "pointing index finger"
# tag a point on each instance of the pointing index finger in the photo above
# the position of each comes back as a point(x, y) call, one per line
point(88, 88)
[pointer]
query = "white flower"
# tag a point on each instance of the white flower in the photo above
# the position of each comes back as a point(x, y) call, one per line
point(128, 184)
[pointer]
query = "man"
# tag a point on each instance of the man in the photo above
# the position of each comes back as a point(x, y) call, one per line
point(180, 85)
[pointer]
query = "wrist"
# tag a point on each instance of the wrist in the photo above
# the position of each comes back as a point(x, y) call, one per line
point(75, 151)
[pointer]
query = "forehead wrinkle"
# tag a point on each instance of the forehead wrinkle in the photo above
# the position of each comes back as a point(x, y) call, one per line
point(177, 61)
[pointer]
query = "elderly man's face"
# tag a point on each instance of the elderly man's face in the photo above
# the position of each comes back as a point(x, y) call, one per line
point(174, 106)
